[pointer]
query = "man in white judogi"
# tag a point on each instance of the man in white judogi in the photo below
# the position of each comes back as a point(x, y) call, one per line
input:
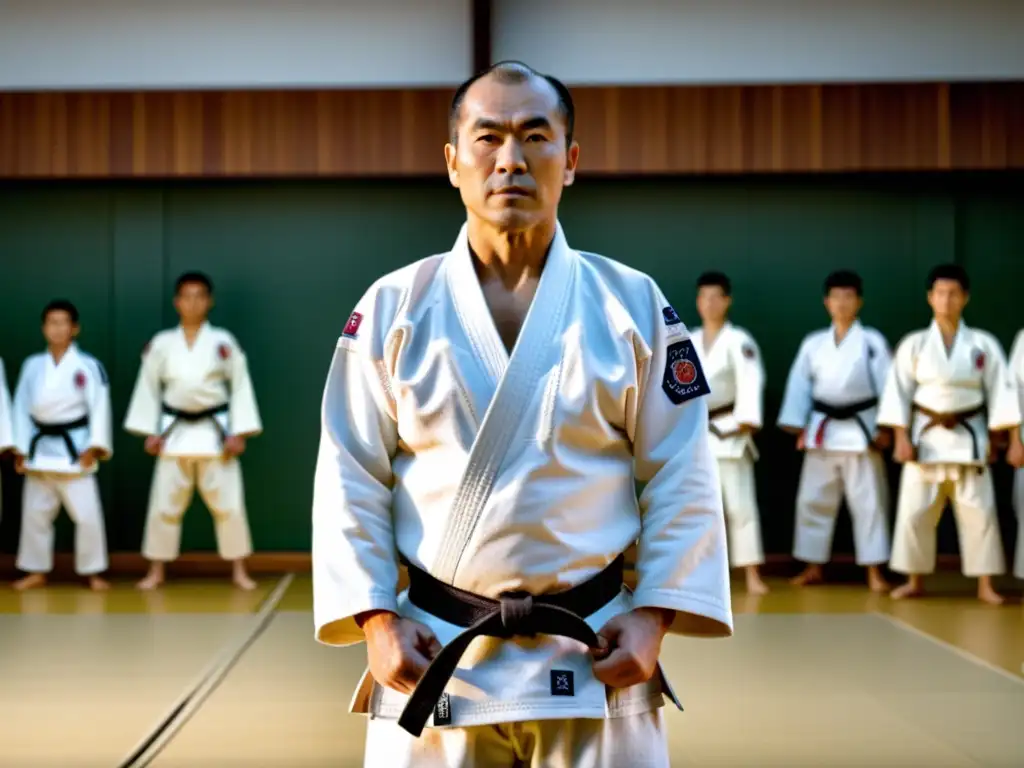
point(1016, 367)
point(194, 403)
point(6, 428)
point(736, 376)
point(949, 386)
point(482, 417)
point(830, 403)
point(62, 430)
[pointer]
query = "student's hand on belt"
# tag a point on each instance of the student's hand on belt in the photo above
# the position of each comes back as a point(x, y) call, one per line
point(234, 446)
point(154, 444)
point(399, 650)
point(19, 464)
point(88, 458)
point(631, 643)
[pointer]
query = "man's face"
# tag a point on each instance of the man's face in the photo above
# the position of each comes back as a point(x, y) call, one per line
point(193, 303)
point(947, 298)
point(511, 162)
point(843, 304)
point(712, 304)
point(58, 328)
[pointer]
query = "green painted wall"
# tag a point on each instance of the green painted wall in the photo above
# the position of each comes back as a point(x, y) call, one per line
point(291, 258)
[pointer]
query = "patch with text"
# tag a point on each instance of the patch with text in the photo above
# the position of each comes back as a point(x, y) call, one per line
point(671, 316)
point(352, 326)
point(684, 377)
point(561, 683)
point(443, 710)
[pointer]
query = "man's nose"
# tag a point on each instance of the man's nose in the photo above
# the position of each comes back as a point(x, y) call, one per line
point(510, 157)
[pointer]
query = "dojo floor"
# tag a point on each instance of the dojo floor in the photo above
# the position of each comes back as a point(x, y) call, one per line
point(827, 676)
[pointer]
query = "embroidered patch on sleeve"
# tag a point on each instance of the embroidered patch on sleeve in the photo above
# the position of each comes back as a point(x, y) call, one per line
point(684, 377)
point(749, 352)
point(224, 351)
point(80, 379)
point(352, 326)
point(670, 316)
point(979, 360)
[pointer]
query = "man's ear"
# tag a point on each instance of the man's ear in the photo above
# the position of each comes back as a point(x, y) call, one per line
point(450, 151)
point(572, 160)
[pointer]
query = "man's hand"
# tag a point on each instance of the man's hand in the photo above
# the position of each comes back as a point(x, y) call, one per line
point(904, 450)
point(883, 440)
point(801, 442)
point(234, 446)
point(399, 650)
point(631, 643)
point(1015, 454)
point(89, 458)
point(19, 464)
point(154, 444)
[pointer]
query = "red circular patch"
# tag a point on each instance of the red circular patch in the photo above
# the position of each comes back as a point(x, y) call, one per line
point(80, 380)
point(224, 351)
point(684, 372)
point(979, 361)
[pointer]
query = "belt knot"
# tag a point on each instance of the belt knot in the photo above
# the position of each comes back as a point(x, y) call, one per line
point(516, 614)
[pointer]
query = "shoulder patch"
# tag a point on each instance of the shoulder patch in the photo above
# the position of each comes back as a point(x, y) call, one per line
point(351, 330)
point(684, 377)
point(979, 359)
point(223, 351)
point(80, 380)
point(670, 316)
point(748, 351)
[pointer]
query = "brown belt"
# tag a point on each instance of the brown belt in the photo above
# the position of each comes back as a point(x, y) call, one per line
point(714, 413)
point(952, 419)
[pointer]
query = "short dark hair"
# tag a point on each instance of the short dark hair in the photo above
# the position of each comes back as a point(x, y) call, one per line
point(715, 278)
point(949, 272)
point(193, 277)
point(511, 73)
point(61, 305)
point(844, 278)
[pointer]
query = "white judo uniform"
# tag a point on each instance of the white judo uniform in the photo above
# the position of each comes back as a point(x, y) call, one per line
point(6, 425)
point(948, 403)
point(1017, 375)
point(60, 411)
point(832, 393)
point(497, 473)
point(195, 397)
point(736, 376)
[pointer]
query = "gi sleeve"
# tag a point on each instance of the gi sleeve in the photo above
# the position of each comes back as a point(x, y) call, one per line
point(746, 362)
point(797, 397)
point(1000, 393)
point(6, 425)
point(243, 416)
point(24, 429)
point(894, 408)
point(146, 405)
point(355, 560)
point(681, 553)
point(98, 394)
point(879, 361)
point(1016, 367)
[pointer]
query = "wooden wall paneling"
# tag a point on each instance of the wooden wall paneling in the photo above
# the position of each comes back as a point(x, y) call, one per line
point(634, 130)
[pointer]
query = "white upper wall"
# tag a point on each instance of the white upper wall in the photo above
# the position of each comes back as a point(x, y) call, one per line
point(754, 41)
point(190, 44)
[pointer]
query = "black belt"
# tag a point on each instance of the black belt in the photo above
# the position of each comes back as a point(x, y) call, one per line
point(951, 420)
point(722, 410)
point(843, 413)
point(57, 430)
point(514, 615)
point(194, 416)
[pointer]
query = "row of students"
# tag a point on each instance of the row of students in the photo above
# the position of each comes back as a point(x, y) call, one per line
point(947, 403)
point(193, 403)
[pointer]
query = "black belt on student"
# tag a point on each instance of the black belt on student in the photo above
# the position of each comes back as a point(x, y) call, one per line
point(513, 615)
point(722, 410)
point(951, 420)
point(62, 430)
point(194, 416)
point(843, 413)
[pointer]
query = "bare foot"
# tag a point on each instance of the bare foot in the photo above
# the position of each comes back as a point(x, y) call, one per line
point(810, 575)
point(96, 584)
point(151, 582)
point(912, 588)
point(755, 585)
point(32, 581)
point(243, 581)
point(876, 581)
point(987, 593)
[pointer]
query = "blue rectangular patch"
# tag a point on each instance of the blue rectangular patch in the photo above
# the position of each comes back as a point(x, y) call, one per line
point(670, 316)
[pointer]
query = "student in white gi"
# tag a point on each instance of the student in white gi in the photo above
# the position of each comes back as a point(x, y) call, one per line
point(6, 427)
point(62, 431)
point(736, 376)
point(943, 382)
point(194, 403)
point(830, 404)
point(481, 419)
point(1017, 374)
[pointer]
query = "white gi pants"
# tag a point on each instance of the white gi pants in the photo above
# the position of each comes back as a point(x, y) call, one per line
point(1018, 506)
point(924, 491)
point(220, 487)
point(742, 517)
point(42, 497)
point(826, 476)
point(637, 741)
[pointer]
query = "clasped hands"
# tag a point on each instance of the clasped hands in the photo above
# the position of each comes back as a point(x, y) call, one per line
point(399, 650)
